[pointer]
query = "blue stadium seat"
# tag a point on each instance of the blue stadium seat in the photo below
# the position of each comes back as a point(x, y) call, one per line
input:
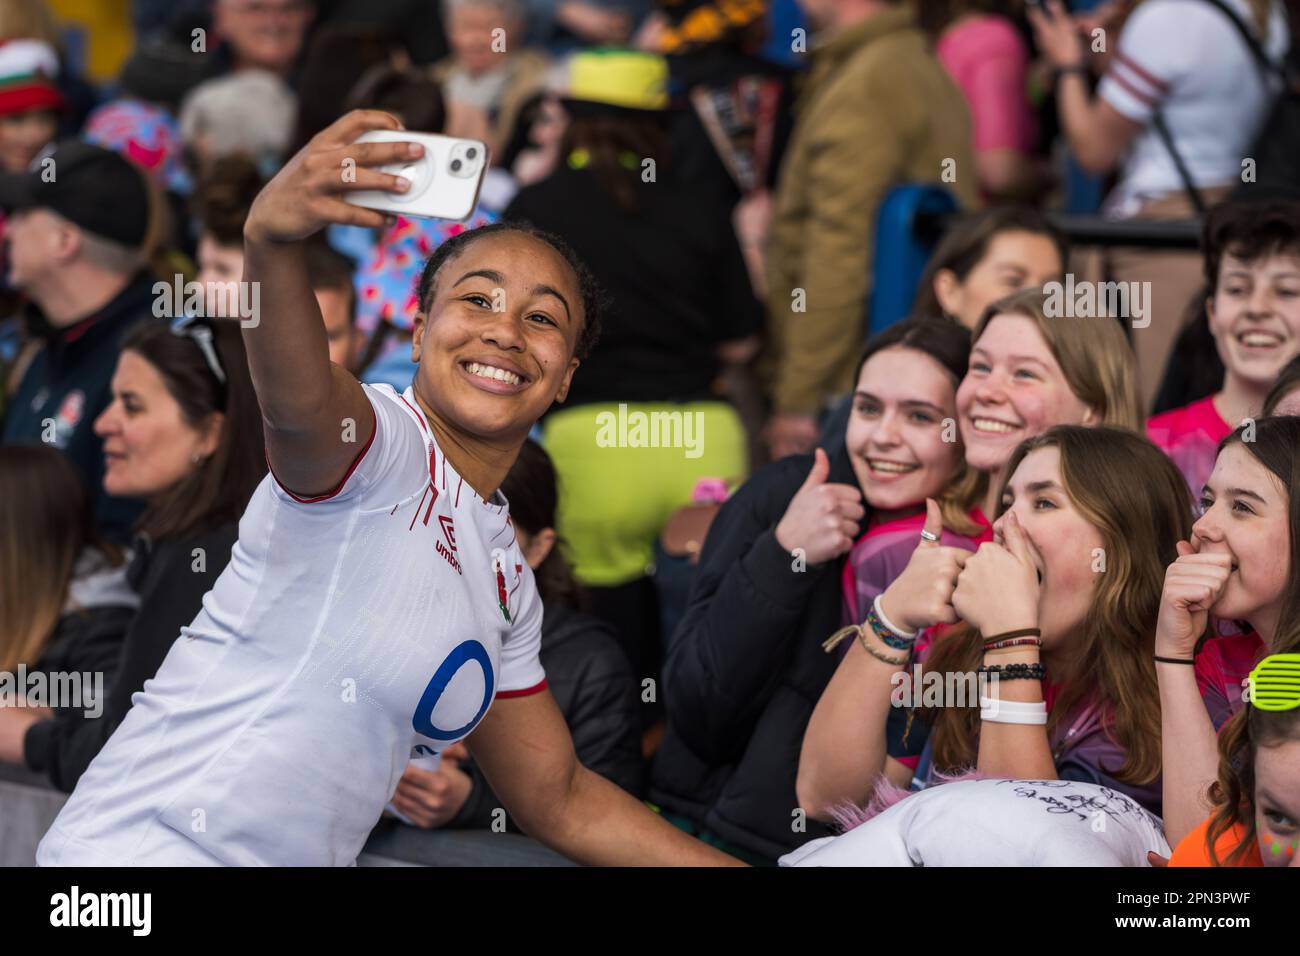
point(903, 247)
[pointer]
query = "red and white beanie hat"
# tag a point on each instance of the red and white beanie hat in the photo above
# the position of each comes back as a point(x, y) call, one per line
point(27, 72)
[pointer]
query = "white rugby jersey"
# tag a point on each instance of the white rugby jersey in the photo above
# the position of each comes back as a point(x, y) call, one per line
point(349, 633)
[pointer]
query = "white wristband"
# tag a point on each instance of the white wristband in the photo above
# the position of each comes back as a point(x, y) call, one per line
point(1012, 711)
point(880, 613)
point(1014, 706)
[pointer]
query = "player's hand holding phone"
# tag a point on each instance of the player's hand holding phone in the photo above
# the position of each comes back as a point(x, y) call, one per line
point(309, 192)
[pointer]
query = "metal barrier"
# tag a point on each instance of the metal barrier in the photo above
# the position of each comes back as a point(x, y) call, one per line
point(28, 805)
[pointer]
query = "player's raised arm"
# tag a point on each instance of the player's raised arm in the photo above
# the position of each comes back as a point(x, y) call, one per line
point(307, 402)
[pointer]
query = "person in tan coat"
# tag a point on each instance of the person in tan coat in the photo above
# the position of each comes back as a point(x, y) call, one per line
point(877, 111)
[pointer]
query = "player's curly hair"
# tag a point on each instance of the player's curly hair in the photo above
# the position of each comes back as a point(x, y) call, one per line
point(593, 299)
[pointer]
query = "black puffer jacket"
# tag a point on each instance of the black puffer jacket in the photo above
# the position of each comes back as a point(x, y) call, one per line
point(745, 669)
point(88, 639)
point(593, 685)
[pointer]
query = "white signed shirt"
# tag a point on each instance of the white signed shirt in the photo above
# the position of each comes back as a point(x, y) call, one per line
point(997, 823)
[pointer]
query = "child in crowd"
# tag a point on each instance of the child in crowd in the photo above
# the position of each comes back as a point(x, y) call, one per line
point(1252, 270)
point(330, 274)
point(1056, 619)
point(30, 102)
point(1256, 820)
point(225, 192)
point(1240, 563)
point(904, 447)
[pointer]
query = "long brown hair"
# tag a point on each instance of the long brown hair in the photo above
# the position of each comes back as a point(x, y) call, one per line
point(47, 524)
point(217, 490)
point(1233, 793)
point(1136, 498)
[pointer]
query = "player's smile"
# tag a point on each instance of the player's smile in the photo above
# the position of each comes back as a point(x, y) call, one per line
point(499, 376)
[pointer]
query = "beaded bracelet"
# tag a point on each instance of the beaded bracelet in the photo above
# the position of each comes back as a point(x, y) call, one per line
point(1012, 642)
point(1014, 671)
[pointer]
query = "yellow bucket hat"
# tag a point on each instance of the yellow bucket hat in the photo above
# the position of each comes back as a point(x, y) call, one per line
point(624, 79)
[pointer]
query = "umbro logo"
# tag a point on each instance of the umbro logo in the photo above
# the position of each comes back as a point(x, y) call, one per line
point(448, 550)
point(448, 530)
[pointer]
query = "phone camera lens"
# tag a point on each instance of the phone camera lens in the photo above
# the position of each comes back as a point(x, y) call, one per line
point(471, 153)
point(455, 165)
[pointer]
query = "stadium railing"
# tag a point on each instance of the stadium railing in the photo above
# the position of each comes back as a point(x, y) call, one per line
point(28, 805)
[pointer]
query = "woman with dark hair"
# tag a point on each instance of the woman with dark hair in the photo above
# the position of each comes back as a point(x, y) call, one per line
point(183, 433)
point(680, 306)
point(587, 671)
point(986, 257)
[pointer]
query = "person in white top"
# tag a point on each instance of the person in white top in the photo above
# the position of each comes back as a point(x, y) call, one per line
point(1182, 59)
point(1185, 62)
point(376, 606)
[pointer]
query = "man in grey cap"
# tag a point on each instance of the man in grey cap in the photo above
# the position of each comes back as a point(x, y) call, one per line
point(75, 229)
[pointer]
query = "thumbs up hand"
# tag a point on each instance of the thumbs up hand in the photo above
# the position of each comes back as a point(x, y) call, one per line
point(822, 517)
point(998, 590)
point(922, 595)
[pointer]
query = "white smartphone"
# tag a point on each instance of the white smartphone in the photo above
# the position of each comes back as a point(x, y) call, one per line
point(444, 181)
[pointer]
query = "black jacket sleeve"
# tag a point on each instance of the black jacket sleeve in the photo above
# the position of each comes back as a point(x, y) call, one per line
point(727, 656)
point(171, 594)
point(603, 719)
point(597, 692)
point(89, 641)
